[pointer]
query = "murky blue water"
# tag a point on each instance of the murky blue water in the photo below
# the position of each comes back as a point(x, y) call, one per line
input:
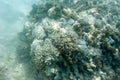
point(12, 18)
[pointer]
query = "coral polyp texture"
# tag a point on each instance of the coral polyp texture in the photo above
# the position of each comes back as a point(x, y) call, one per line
point(73, 40)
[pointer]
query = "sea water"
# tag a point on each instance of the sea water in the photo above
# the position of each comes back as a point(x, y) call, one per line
point(12, 17)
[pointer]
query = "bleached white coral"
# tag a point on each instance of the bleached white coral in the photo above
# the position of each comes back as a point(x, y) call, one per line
point(43, 52)
point(38, 32)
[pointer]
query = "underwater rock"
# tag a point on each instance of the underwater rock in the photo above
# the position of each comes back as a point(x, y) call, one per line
point(73, 42)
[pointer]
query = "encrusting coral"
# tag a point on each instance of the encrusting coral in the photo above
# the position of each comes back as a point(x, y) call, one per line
point(73, 41)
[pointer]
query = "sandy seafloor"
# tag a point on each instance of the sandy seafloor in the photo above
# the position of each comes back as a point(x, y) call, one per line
point(12, 17)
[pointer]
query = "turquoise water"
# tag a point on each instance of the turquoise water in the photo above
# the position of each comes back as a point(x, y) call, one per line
point(12, 17)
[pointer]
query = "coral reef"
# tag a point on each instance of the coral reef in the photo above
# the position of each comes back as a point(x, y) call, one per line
point(76, 41)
